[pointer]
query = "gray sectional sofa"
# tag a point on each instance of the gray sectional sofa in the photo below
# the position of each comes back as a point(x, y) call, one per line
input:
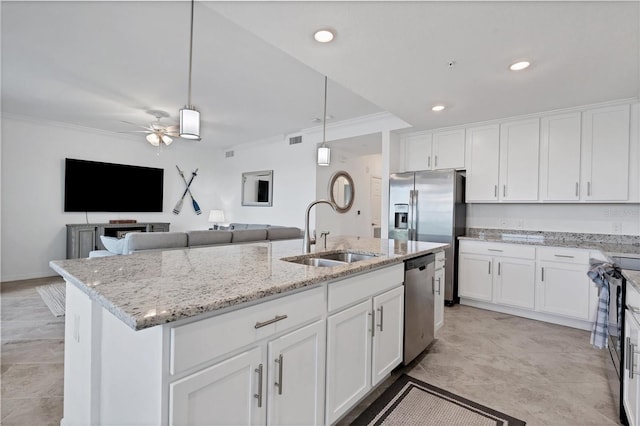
point(145, 241)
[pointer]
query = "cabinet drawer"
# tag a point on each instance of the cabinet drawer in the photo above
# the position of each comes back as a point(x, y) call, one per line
point(558, 254)
point(348, 291)
point(498, 249)
point(198, 342)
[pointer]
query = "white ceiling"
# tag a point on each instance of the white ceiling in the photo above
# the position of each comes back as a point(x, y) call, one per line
point(257, 73)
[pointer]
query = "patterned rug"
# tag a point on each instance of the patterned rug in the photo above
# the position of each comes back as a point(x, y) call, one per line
point(54, 297)
point(409, 401)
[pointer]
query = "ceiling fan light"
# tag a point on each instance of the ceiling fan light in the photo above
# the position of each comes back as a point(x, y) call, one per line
point(189, 123)
point(167, 140)
point(324, 155)
point(153, 139)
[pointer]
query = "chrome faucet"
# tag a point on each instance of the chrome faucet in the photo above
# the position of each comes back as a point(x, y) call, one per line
point(308, 240)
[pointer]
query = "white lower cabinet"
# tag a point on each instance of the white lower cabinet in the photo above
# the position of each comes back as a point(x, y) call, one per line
point(364, 343)
point(227, 393)
point(546, 283)
point(631, 383)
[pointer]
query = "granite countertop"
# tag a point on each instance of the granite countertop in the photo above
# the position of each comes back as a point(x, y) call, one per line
point(152, 288)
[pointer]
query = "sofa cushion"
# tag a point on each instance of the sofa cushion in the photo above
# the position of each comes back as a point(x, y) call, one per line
point(154, 240)
point(203, 238)
point(241, 226)
point(246, 235)
point(283, 233)
point(112, 244)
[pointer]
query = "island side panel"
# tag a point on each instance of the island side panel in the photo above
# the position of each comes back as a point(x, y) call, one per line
point(113, 374)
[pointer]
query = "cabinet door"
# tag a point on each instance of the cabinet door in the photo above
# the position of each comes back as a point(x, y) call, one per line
point(417, 152)
point(348, 358)
point(475, 279)
point(448, 150)
point(514, 282)
point(563, 289)
point(227, 393)
point(519, 145)
point(296, 377)
point(388, 334)
point(483, 162)
point(560, 157)
point(438, 310)
point(630, 391)
point(605, 154)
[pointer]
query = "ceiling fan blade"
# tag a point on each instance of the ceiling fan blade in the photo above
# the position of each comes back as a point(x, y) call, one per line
point(137, 125)
point(137, 131)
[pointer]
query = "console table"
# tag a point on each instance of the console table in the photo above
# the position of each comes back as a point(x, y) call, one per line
point(85, 237)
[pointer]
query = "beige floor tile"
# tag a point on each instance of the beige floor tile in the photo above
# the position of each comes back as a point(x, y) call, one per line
point(31, 411)
point(32, 351)
point(32, 330)
point(32, 380)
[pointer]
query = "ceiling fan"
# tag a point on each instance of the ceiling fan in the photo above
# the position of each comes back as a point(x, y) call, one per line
point(157, 132)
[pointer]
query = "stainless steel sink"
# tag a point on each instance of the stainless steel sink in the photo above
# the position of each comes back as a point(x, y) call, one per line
point(330, 259)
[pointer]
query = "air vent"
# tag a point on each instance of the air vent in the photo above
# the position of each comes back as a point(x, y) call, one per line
point(295, 139)
point(228, 154)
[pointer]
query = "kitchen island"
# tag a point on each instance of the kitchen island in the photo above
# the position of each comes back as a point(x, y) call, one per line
point(231, 334)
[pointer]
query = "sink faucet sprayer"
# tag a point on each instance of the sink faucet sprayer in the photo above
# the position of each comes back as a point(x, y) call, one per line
point(307, 241)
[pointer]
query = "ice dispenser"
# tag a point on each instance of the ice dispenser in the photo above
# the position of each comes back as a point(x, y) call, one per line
point(401, 216)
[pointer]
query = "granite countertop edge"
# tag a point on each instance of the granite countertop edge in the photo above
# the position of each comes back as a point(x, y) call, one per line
point(136, 322)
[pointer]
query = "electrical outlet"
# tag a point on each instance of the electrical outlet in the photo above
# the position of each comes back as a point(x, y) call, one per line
point(616, 227)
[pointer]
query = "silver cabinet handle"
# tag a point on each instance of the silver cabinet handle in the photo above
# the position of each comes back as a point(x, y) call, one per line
point(632, 353)
point(381, 309)
point(436, 161)
point(495, 250)
point(577, 189)
point(271, 321)
point(564, 255)
point(489, 267)
point(542, 273)
point(429, 161)
point(495, 191)
point(433, 285)
point(626, 352)
point(504, 190)
point(280, 362)
point(498, 268)
point(439, 285)
point(373, 324)
point(589, 188)
point(259, 394)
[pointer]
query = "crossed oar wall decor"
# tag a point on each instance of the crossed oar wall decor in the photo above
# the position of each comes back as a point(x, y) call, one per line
point(178, 207)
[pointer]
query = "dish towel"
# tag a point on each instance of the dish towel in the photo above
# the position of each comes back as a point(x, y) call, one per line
point(600, 273)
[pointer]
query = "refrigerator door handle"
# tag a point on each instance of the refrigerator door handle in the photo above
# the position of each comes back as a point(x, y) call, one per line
point(414, 215)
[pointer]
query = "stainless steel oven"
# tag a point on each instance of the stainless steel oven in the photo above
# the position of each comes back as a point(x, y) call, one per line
point(617, 304)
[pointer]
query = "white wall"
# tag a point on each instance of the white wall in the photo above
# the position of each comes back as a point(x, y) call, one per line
point(361, 169)
point(622, 219)
point(33, 221)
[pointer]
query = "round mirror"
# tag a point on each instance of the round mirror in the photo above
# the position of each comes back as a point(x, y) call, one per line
point(341, 191)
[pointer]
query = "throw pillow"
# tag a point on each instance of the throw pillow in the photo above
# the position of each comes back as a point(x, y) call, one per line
point(112, 244)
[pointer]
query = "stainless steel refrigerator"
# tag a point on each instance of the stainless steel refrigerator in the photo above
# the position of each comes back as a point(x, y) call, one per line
point(429, 206)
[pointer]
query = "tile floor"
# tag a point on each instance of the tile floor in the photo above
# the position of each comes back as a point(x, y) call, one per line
point(541, 373)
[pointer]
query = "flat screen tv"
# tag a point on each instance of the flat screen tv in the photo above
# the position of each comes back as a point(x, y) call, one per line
point(91, 186)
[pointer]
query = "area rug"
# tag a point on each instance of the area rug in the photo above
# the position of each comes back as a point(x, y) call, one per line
point(54, 297)
point(409, 401)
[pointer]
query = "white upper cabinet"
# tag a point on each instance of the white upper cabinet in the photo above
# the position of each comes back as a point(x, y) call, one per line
point(519, 147)
point(605, 154)
point(483, 156)
point(434, 151)
point(448, 150)
point(560, 157)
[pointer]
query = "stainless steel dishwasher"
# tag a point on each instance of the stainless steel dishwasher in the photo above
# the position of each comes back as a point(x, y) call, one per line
point(418, 305)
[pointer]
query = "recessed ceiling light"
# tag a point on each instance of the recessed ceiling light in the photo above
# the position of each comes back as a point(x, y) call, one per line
point(437, 108)
point(323, 36)
point(519, 66)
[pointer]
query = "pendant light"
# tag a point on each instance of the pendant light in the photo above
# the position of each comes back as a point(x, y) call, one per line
point(324, 153)
point(189, 116)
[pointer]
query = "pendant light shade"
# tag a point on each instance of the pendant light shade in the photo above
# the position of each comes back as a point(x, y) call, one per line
point(189, 123)
point(324, 153)
point(189, 116)
point(324, 156)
